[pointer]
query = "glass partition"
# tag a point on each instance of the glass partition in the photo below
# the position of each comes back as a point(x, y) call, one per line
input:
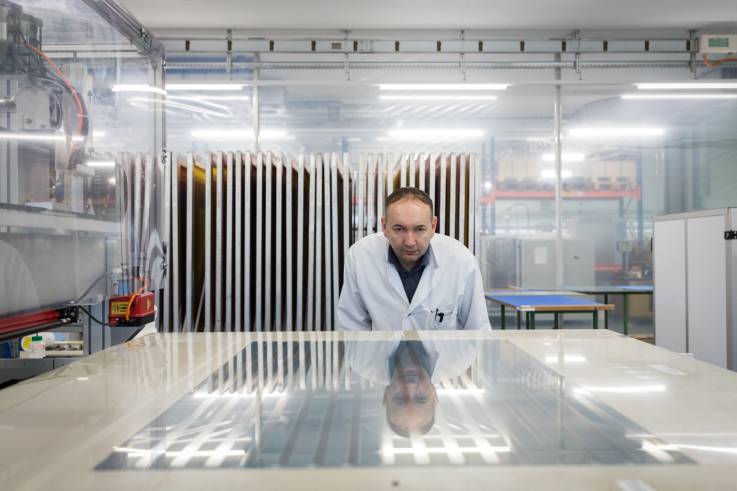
point(81, 185)
point(628, 156)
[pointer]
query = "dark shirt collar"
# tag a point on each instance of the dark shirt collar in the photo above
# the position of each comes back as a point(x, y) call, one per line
point(393, 259)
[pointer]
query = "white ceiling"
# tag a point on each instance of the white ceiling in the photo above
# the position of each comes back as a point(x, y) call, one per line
point(436, 14)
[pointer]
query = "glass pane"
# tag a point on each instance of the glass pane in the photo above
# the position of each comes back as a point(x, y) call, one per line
point(387, 403)
point(627, 160)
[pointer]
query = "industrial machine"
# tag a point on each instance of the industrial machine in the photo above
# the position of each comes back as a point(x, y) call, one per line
point(78, 223)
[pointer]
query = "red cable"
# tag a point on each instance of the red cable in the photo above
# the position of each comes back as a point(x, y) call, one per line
point(72, 90)
point(716, 63)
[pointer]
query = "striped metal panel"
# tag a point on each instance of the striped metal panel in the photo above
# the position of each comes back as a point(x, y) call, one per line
point(259, 240)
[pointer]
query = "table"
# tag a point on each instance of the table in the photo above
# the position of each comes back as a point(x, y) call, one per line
point(536, 410)
point(533, 301)
point(624, 290)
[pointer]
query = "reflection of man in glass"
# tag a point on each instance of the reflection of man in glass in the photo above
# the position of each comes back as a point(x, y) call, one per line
point(408, 371)
point(410, 397)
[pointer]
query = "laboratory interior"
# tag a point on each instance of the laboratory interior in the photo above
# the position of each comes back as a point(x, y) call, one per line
point(218, 269)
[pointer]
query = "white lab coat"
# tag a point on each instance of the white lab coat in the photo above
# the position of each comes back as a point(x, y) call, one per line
point(450, 294)
point(370, 359)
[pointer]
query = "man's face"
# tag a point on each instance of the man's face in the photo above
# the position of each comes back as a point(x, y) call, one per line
point(410, 398)
point(409, 226)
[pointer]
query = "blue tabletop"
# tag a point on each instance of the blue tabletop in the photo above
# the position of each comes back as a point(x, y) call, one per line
point(614, 289)
point(537, 300)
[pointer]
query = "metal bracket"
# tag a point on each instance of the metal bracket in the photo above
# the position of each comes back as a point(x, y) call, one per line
point(692, 40)
point(462, 57)
point(730, 235)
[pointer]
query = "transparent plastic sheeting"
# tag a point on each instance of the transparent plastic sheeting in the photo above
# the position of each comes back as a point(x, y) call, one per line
point(51, 259)
point(73, 208)
point(305, 403)
point(258, 240)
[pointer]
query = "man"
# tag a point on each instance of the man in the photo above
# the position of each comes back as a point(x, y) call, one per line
point(408, 278)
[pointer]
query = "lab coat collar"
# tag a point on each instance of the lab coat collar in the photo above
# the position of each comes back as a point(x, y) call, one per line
point(428, 281)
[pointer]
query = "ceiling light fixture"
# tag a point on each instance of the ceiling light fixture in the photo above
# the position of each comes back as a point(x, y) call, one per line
point(9, 135)
point(241, 134)
point(434, 98)
point(435, 134)
point(677, 96)
point(613, 132)
point(443, 87)
point(138, 88)
point(687, 86)
point(204, 87)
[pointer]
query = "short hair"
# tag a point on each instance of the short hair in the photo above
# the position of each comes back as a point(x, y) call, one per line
point(409, 193)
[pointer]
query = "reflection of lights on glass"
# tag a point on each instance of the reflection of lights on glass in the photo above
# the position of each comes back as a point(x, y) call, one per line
point(729, 450)
point(441, 450)
point(443, 86)
point(622, 131)
point(657, 451)
point(100, 164)
point(241, 134)
point(677, 96)
point(434, 98)
point(487, 185)
point(235, 395)
point(204, 87)
point(460, 391)
point(82, 378)
point(687, 86)
point(550, 173)
point(111, 181)
point(138, 88)
point(145, 452)
point(435, 134)
point(566, 359)
point(98, 134)
point(565, 157)
point(621, 389)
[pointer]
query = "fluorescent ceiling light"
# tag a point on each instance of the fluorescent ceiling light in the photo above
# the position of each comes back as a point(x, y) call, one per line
point(443, 86)
point(138, 88)
point(565, 156)
point(687, 86)
point(210, 98)
point(438, 97)
point(550, 174)
point(98, 134)
point(435, 134)
point(677, 96)
point(613, 132)
point(9, 135)
point(204, 86)
point(241, 134)
point(100, 163)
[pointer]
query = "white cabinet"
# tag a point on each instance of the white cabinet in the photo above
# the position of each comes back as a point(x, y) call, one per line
point(694, 262)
